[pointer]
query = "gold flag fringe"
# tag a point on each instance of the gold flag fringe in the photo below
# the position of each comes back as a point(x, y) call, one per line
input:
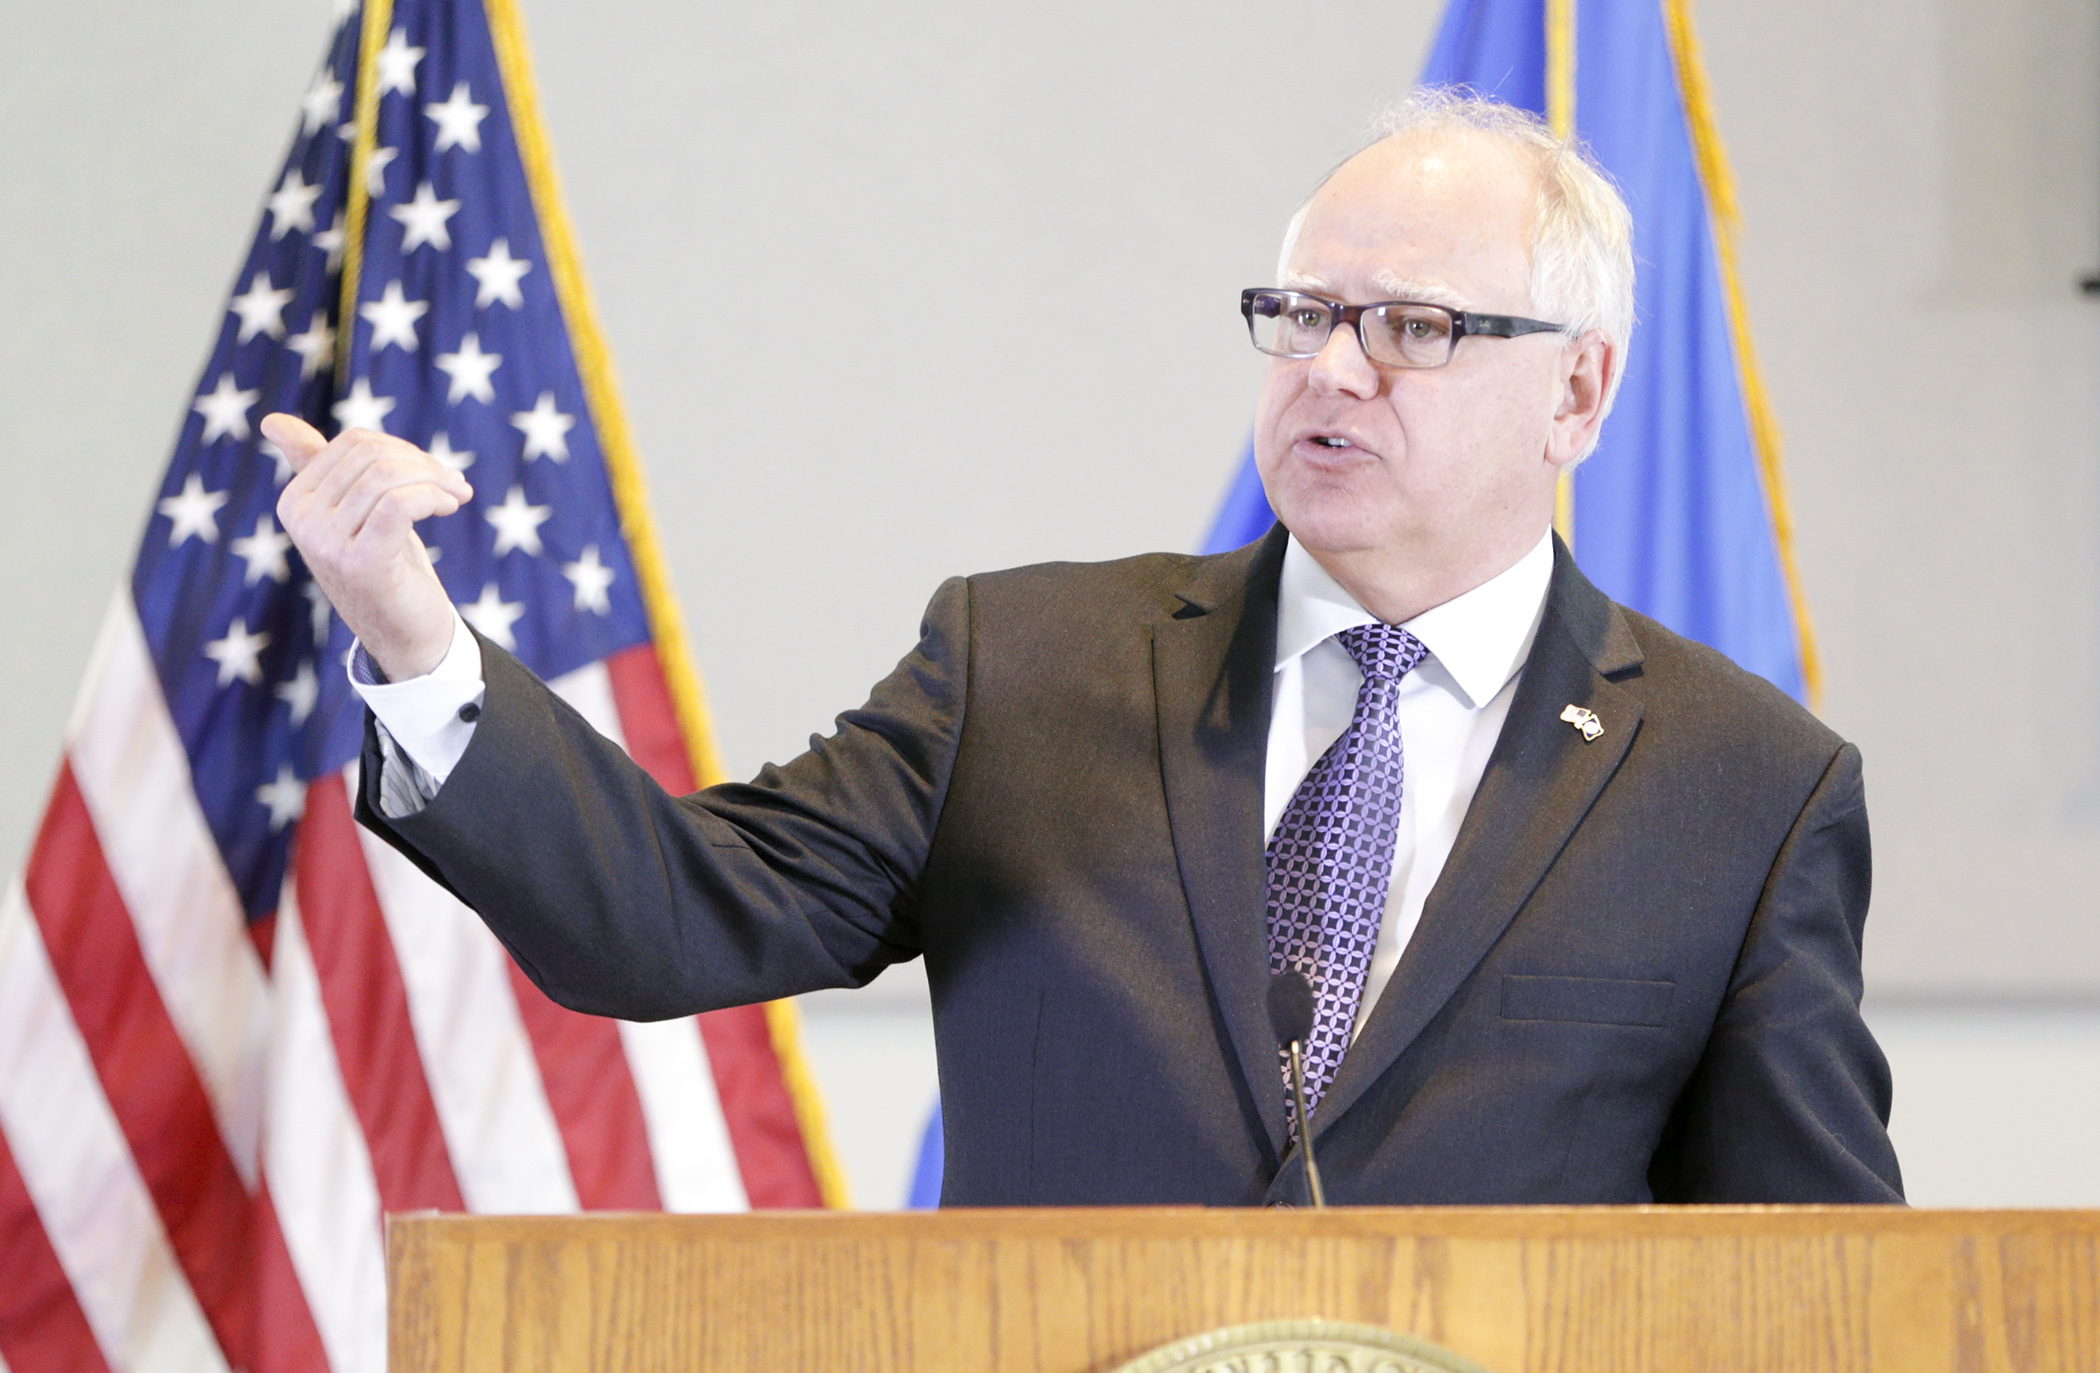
point(1696, 93)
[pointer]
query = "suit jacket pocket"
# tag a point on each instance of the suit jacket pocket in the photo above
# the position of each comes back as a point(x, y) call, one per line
point(1588, 1000)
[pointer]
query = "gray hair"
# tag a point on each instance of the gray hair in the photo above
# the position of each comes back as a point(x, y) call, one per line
point(1581, 231)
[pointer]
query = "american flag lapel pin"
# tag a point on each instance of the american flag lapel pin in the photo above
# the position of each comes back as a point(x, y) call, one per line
point(1584, 720)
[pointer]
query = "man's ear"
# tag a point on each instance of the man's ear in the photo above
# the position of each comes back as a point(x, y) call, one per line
point(1587, 367)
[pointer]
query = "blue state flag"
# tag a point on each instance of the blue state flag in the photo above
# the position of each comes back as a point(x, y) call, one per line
point(1681, 512)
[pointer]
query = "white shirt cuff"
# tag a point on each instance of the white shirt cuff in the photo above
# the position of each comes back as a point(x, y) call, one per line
point(429, 719)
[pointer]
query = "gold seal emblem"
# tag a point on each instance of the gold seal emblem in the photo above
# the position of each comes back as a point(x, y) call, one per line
point(1292, 1346)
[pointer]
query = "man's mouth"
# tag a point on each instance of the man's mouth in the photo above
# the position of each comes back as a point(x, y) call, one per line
point(1330, 441)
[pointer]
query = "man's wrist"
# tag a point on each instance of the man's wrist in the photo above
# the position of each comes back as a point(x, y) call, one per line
point(429, 718)
point(364, 668)
point(397, 663)
point(460, 662)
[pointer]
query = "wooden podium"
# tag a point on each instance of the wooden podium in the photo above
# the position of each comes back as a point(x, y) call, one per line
point(1609, 1289)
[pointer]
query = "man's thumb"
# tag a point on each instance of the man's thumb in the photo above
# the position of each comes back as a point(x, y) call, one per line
point(299, 440)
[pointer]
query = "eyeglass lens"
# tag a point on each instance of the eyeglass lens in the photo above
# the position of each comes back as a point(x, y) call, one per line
point(1294, 325)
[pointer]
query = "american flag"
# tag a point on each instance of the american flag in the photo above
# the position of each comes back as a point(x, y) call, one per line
point(235, 1030)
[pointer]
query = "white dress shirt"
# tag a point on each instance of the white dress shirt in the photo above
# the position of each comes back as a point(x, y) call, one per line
point(1451, 710)
point(425, 723)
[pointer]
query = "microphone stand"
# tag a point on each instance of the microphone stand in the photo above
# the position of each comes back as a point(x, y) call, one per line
point(1312, 1168)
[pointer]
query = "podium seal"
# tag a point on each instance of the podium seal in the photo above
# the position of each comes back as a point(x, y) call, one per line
point(1288, 1346)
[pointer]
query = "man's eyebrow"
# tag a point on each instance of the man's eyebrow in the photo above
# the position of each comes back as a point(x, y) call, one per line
point(1412, 288)
point(1306, 281)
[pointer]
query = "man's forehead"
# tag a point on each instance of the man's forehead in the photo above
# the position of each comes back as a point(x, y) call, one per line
point(1411, 214)
point(1429, 160)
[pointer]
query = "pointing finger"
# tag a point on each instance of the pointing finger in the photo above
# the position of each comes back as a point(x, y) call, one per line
point(299, 440)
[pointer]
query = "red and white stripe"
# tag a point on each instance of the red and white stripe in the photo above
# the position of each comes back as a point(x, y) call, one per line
point(200, 1130)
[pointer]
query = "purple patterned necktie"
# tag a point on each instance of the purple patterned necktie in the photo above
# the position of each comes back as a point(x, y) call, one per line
point(1331, 858)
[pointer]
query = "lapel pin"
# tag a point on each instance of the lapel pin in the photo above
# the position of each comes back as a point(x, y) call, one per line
point(1584, 720)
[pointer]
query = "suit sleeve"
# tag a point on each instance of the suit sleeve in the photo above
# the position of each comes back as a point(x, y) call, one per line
point(619, 899)
point(1790, 1101)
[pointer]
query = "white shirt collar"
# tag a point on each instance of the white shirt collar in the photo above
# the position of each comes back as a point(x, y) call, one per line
point(1481, 637)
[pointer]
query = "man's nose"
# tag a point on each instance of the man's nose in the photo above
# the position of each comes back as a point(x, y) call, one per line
point(1340, 367)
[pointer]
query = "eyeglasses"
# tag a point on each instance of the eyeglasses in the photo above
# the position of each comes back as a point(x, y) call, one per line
point(1398, 333)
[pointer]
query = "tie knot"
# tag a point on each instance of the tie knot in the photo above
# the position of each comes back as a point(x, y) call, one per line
point(1383, 651)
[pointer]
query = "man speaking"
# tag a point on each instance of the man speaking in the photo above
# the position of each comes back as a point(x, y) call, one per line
point(1580, 903)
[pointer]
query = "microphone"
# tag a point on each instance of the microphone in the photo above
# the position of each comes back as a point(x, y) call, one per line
point(1291, 1017)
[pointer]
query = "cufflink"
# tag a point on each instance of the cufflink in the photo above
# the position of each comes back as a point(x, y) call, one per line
point(1585, 721)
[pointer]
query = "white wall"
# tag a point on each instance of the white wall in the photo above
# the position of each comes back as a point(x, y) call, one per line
point(1921, 185)
point(1997, 1103)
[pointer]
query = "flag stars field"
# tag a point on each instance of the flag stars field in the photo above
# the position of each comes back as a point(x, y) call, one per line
point(192, 512)
point(493, 616)
point(331, 240)
point(292, 206)
point(225, 409)
point(546, 429)
point(375, 168)
point(301, 691)
point(239, 654)
point(361, 409)
point(261, 309)
point(323, 102)
point(285, 796)
point(517, 523)
point(397, 64)
point(314, 345)
point(424, 220)
point(440, 447)
point(471, 371)
point(264, 551)
point(393, 318)
point(497, 276)
point(458, 120)
point(592, 579)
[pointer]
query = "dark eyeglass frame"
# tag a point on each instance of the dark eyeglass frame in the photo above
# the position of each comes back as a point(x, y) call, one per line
point(1463, 323)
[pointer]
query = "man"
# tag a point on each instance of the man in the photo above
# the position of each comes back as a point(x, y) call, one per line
point(1579, 901)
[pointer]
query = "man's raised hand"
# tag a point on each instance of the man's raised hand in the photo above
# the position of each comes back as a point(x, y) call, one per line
point(351, 507)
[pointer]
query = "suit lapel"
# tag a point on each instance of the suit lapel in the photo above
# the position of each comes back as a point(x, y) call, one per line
point(1213, 661)
point(1540, 781)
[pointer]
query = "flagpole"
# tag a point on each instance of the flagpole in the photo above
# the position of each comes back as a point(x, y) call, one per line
point(1560, 114)
point(631, 496)
point(1726, 216)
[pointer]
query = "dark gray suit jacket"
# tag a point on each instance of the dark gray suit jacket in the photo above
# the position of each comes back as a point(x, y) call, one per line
point(1638, 978)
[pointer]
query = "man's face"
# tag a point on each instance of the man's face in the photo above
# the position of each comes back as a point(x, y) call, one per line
point(1447, 464)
